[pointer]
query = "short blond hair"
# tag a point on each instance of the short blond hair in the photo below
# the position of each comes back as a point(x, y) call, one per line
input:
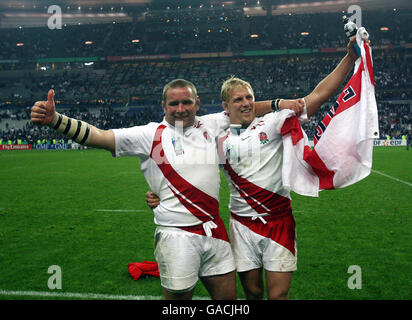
point(179, 83)
point(230, 84)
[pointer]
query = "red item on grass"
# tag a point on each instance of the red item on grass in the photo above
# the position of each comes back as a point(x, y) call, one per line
point(138, 269)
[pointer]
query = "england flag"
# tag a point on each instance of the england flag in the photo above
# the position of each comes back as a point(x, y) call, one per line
point(343, 149)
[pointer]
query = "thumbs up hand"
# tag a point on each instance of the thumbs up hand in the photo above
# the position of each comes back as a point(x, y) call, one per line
point(43, 112)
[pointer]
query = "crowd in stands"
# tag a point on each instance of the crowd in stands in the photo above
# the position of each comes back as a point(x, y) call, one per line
point(142, 82)
point(105, 118)
point(105, 85)
point(186, 31)
point(395, 121)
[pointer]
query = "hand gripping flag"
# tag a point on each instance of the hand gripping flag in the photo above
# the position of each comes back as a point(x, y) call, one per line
point(342, 154)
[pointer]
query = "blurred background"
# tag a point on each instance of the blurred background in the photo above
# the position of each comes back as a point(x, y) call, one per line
point(109, 60)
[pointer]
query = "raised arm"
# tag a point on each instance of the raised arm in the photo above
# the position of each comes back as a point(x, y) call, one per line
point(328, 86)
point(44, 113)
point(322, 92)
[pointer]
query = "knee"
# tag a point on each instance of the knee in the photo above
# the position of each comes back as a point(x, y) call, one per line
point(278, 294)
point(254, 293)
point(227, 294)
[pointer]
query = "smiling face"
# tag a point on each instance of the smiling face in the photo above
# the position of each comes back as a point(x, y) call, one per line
point(240, 105)
point(180, 105)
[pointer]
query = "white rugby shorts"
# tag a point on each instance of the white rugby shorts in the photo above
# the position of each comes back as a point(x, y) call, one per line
point(185, 256)
point(254, 246)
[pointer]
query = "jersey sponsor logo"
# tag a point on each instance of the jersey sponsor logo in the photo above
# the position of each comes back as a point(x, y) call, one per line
point(263, 138)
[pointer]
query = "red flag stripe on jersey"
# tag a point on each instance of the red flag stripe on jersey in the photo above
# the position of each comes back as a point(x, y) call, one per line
point(250, 201)
point(206, 207)
point(260, 199)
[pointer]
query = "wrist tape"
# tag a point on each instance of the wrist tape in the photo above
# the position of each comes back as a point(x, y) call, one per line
point(77, 130)
point(275, 104)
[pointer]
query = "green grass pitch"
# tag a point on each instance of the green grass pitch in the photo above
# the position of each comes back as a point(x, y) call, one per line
point(52, 212)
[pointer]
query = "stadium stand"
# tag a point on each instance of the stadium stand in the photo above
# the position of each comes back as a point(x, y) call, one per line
point(112, 74)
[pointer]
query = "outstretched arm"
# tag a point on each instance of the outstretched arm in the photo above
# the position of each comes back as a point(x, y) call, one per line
point(328, 86)
point(264, 107)
point(44, 113)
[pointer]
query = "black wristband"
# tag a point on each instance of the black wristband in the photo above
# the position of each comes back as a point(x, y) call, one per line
point(275, 104)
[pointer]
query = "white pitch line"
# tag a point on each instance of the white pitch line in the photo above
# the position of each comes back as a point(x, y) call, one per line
point(77, 295)
point(71, 295)
point(393, 178)
point(118, 210)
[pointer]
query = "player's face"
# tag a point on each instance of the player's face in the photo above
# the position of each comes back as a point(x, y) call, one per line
point(180, 106)
point(241, 106)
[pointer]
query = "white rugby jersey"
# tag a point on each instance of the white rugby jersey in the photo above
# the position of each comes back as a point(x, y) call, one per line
point(253, 167)
point(180, 166)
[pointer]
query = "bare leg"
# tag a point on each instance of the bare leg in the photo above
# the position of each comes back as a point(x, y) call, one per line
point(278, 284)
point(221, 287)
point(178, 296)
point(252, 283)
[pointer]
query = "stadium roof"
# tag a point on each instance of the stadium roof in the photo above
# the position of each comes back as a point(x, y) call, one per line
point(30, 5)
point(31, 13)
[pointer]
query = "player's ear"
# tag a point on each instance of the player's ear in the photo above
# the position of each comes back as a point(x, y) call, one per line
point(225, 106)
point(197, 104)
point(164, 106)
